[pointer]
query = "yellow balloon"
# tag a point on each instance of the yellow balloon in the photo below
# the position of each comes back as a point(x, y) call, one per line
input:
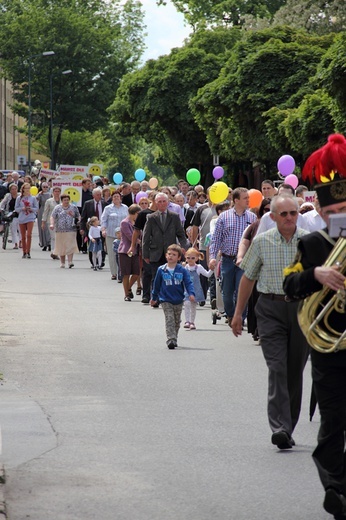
point(33, 190)
point(218, 192)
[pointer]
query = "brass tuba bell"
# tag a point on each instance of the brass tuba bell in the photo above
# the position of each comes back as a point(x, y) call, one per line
point(322, 316)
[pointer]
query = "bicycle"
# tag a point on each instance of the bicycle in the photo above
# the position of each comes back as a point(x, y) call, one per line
point(5, 221)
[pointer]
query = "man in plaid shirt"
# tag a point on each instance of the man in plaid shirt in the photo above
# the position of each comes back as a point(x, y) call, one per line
point(229, 229)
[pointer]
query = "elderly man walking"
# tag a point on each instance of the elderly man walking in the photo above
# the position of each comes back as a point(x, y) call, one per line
point(93, 208)
point(162, 229)
point(283, 343)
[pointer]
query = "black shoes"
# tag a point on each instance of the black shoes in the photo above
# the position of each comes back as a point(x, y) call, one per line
point(172, 344)
point(335, 503)
point(28, 255)
point(130, 295)
point(145, 300)
point(282, 440)
point(127, 299)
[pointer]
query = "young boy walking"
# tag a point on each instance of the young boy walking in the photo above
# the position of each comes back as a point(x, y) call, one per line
point(171, 282)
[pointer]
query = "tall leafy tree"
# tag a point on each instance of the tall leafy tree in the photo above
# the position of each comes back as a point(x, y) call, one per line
point(331, 75)
point(204, 13)
point(315, 16)
point(154, 102)
point(99, 41)
point(322, 109)
point(267, 69)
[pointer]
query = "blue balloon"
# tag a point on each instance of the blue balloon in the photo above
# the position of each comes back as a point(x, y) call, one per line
point(140, 175)
point(117, 178)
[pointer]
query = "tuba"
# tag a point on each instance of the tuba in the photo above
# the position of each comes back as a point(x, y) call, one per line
point(322, 316)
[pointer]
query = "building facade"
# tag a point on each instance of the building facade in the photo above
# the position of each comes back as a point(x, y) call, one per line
point(12, 143)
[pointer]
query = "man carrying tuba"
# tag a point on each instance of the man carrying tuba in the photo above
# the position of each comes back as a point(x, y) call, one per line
point(309, 275)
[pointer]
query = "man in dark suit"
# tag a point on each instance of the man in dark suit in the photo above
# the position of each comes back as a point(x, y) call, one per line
point(129, 195)
point(86, 195)
point(15, 180)
point(162, 229)
point(93, 208)
point(126, 194)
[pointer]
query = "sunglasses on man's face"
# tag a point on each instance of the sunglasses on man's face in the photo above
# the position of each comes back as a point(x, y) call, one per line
point(284, 214)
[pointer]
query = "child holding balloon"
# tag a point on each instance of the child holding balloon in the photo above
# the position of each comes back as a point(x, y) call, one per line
point(27, 207)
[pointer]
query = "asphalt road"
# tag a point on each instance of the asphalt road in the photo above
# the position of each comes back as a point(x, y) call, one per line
point(100, 420)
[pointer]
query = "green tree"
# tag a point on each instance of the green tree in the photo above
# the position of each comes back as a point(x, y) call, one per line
point(331, 75)
point(267, 69)
point(205, 13)
point(99, 41)
point(315, 16)
point(305, 128)
point(321, 111)
point(153, 102)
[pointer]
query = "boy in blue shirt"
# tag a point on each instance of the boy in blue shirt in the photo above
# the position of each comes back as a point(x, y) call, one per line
point(171, 282)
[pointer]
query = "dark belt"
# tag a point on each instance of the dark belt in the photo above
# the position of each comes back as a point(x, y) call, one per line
point(276, 297)
point(232, 257)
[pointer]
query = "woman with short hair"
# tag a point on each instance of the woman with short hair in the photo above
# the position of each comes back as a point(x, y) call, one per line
point(111, 217)
point(27, 207)
point(64, 219)
point(129, 262)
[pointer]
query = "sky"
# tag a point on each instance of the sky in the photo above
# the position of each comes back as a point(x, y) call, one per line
point(165, 28)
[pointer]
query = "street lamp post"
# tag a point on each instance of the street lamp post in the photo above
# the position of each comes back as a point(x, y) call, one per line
point(64, 72)
point(46, 53)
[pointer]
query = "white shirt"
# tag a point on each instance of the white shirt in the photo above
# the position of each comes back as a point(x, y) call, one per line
point(94, 232)
point(199, 270)
point(314, 220)
point(268, 223)
point(193, 208)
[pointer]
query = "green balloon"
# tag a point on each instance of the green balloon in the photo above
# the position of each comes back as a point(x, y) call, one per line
point(193, 176)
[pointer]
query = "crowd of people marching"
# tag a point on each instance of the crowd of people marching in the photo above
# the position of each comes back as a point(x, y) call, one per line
point(131, 226)
point(112, 223)
point(175, 248)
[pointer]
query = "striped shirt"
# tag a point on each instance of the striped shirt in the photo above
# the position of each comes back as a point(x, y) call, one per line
point(228, 232)
point(266, 258)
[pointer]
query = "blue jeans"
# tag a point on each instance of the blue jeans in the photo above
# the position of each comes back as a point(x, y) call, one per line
point(230, 279)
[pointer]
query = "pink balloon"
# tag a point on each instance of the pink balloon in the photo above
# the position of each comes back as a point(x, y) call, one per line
point(292, 180)
point(218, 172)
point(286, 165)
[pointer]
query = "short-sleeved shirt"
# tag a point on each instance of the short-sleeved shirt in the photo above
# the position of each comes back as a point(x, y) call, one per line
point(267, 257)
point(142, 218)
point(202, 219)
